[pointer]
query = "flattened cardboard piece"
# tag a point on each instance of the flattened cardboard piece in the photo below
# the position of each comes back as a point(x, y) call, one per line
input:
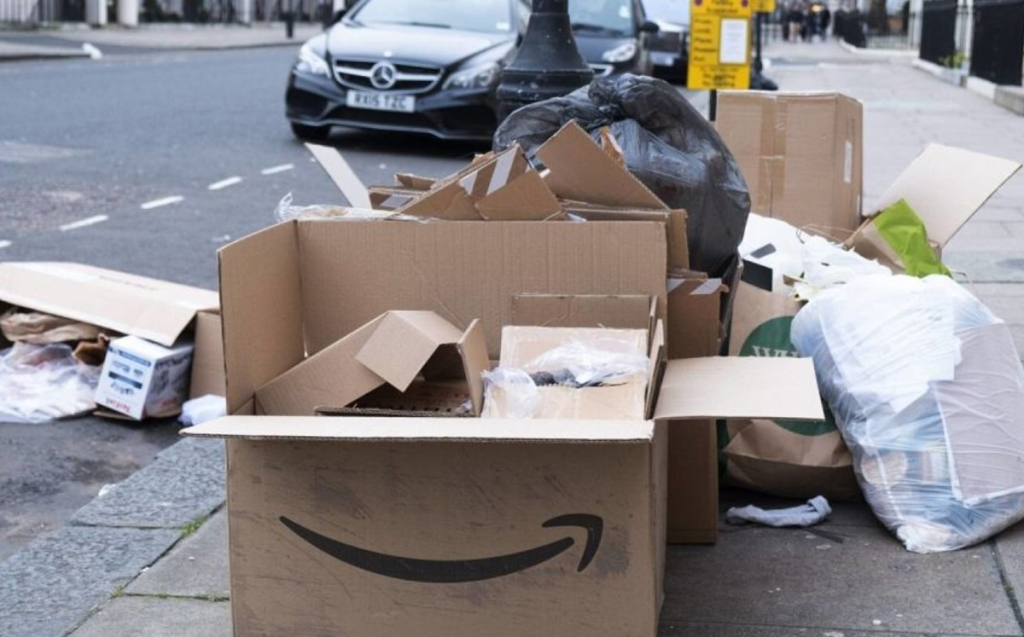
point(261, 310)
point(402, 343)
point(332, 376)
point(341, 174)
point(945, 186)
point(739, 387)
point(694, 311)
point(353, 272)
point(578, 169)
point(800, 154)
point(391, 199)
point(611, 146)
point(630, 311)
point(449, 202)
point(486, 177)
point(675, 226)
point(414, 182)
point(208, 359)
point(439, 430)
point(155, 310)
point(525, 198)
point(570, 550)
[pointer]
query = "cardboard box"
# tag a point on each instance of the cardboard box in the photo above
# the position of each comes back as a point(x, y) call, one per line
point(801, 155)
point(141, 379)
point(369, 525)
point(158, 311)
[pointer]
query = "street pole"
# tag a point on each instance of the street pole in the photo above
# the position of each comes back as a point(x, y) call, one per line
point(757, 44)
point(548, 64)
point(289, 20)
point(713, 105)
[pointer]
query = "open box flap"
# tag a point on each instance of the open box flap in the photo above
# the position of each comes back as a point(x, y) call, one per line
point(341, 174)
point(580, 170)
point(155, 310)
point(403, 343)
point(945, 186)
point(618, 311)
point(370, 429)
point(739, 387)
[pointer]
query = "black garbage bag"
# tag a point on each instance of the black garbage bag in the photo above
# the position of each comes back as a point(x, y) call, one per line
point(666, 143)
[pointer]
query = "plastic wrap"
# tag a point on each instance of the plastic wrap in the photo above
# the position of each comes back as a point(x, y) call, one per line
point(43, 382)
point(573, 365)
point(199, 410)
point(927, 389)
point(287, 211)
point(666, 143)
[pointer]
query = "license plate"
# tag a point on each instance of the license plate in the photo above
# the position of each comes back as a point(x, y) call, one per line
point(381, 101)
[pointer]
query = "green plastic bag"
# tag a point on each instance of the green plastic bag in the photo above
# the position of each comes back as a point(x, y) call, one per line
point(907, 236)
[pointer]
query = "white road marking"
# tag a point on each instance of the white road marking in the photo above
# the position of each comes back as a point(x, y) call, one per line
point(5, 244)
point(166, 201)
point(83, 223)
point(224, 183)
point(277, 169)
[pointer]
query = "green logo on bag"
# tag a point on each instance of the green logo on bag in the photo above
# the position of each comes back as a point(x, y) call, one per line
point(771, 339)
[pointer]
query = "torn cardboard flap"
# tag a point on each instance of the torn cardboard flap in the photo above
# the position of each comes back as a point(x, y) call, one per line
point(155, 310)
point(945, 186)
point(739, 387)
point(580, 170)
point(526, 198)
point(426, 429)
point(403, 343)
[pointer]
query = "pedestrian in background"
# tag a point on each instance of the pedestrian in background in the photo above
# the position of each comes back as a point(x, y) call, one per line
point(796, 22)
point(826, 22)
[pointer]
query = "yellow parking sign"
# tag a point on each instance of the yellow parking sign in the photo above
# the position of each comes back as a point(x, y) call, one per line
point(719, 44)
point(764, 6)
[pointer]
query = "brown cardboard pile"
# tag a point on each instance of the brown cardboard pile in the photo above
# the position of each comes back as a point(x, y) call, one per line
point(116, 303)
point(376, 523)
point(801, 155)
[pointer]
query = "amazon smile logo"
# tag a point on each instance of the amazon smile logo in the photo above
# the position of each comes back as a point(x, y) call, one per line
point(412, 569)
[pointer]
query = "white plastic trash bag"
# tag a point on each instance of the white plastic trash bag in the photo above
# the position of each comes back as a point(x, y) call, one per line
point(927, 389)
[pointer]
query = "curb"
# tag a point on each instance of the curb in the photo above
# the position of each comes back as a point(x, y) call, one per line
point(30, 57)
point(109, 541)
point(878, 53)
point(1009, 97)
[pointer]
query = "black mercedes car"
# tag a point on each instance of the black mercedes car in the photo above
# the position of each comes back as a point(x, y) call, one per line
point(432, 66)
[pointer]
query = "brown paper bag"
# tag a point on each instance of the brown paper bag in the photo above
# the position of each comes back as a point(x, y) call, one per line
point(786, 458)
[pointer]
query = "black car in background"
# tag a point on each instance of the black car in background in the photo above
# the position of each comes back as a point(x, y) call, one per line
point(433, 66)
point(670, 47)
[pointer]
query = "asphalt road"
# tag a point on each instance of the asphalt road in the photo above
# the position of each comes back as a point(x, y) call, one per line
point(88, 143)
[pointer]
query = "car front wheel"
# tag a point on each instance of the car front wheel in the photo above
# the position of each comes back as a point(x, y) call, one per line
point(311, 133)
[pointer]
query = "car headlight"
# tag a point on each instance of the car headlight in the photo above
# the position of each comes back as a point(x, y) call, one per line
point(311, 62)
point(623, 53)
point(481, 76)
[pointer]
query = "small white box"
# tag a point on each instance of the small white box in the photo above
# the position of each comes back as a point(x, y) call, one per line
point(142, 379)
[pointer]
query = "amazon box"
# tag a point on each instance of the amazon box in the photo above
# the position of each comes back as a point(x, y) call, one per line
point(161, 312)
point(434, 526)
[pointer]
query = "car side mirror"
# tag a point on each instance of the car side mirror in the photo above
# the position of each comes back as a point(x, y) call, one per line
point(338, 15)
point(649, 27)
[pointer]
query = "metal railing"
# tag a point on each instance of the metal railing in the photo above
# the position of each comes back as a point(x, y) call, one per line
point(945, 30)
point(997, 49)
point(230, 11)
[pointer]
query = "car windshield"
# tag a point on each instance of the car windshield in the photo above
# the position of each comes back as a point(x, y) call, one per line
point(614, 17)
point(674, 11)
point(468, 15)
